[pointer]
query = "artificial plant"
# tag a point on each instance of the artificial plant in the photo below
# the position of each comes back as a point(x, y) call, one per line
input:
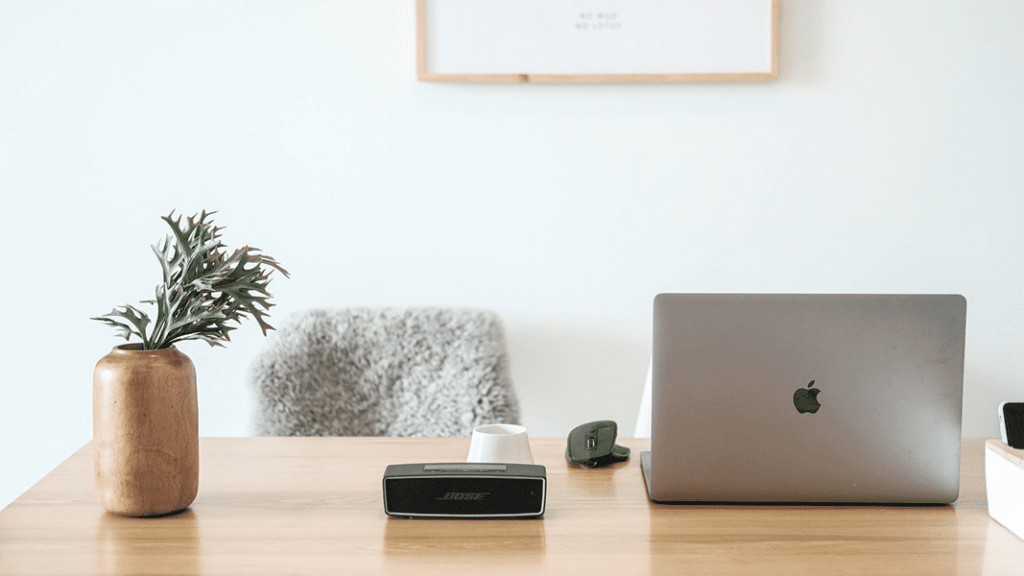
point(203, 288)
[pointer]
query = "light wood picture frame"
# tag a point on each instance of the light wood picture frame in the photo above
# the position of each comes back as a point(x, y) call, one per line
point(597, 41)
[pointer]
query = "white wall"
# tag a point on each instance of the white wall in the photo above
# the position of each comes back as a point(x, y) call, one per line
point(888, 157)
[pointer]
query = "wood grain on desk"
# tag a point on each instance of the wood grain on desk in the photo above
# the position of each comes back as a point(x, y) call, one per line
point(314, 506)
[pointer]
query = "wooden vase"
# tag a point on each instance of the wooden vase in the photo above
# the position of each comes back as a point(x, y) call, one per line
point(145, 423)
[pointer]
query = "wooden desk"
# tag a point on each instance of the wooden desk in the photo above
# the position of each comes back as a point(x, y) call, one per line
point(313, 506)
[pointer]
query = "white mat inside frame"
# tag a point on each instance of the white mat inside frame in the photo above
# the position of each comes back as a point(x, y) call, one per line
point(597, 40)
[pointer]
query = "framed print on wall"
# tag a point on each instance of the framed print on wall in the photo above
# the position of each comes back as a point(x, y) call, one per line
point(590, 41)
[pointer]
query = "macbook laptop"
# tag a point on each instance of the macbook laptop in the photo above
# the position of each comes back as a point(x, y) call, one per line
point(806, 398)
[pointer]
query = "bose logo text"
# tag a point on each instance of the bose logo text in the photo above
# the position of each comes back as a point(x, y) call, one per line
point(463, 496)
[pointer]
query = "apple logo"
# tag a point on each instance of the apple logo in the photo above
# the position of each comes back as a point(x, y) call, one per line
point(806, 399)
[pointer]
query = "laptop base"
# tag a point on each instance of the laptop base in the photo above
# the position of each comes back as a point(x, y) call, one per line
point(645, 468)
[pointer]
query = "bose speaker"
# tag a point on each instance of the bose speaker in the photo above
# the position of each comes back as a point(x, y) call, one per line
point(465, 490)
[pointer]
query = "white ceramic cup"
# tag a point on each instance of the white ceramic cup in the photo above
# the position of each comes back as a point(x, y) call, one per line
point(500, 443)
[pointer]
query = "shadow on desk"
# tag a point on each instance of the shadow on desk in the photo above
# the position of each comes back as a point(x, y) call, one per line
point(123, 546)
point(411, 542)
point(804, 539)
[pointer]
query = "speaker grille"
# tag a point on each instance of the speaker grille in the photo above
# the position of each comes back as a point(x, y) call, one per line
point(456, 495)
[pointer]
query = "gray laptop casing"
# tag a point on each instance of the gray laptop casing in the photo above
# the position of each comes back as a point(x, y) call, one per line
point(726, 367)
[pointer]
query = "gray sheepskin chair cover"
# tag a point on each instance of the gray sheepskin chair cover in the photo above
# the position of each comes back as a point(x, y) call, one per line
point(384, 372)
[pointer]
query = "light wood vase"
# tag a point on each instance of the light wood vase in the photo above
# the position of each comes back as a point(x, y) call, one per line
point(145, 425)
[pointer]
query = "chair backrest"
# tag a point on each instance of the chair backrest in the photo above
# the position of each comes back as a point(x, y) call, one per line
point(384, 372)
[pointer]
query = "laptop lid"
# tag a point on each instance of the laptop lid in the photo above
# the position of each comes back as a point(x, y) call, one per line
point(806, 398)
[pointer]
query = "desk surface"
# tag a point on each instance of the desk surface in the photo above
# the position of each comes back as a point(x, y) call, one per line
point(313, 506)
